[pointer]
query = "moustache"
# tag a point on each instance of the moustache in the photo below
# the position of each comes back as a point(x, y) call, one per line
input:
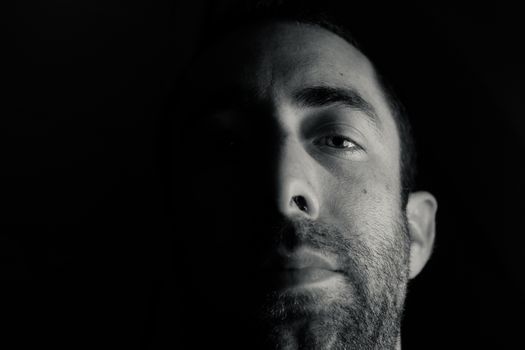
point(323, 237)
point(342, 247)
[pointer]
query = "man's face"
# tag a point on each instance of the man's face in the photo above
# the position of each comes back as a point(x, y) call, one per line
point(292, 167)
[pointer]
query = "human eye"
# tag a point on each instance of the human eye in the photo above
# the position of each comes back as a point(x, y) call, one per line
point(339, 145)
point(223, 142)
point(337, 142)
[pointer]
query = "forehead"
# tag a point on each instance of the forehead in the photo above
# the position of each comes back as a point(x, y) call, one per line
point(285, 51)
point(272, 60)
point(296, 54)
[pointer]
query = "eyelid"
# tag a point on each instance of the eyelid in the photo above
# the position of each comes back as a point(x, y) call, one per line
point(354, 148)
point(331, 129)
point(335, 127)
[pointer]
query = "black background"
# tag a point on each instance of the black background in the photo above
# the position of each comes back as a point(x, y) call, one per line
point(87, 237)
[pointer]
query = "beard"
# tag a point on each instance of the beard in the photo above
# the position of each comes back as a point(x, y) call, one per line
point(362, 311)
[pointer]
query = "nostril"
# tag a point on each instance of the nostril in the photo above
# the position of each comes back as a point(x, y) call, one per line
point(300, 201)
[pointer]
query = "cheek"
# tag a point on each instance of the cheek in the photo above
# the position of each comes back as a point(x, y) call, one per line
point(204, 201)
point(363, 200)
point(210, 181)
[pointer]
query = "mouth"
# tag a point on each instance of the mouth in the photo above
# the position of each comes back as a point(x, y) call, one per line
point(304, 278)
point(302, 268)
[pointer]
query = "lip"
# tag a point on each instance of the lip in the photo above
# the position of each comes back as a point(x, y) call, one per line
point(304, 259)
point(304, 277)
point(301, 268)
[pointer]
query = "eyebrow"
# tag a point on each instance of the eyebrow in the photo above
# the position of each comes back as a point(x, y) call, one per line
point(323, 96)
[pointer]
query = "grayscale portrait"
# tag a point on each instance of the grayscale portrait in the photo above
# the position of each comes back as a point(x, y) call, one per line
point(264, 174)
point(301, 180)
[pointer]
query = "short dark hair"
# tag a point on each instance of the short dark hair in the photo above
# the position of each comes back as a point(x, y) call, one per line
point(325, 16)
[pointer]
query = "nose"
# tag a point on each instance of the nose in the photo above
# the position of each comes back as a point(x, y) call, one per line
point(296, 180)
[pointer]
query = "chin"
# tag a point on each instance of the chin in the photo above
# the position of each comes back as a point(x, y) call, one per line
point(305, 303)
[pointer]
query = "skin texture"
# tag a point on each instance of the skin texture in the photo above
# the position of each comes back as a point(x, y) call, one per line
point(269, 175)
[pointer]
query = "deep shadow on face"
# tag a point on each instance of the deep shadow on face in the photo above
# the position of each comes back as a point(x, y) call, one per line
point(249, 148)
point(363, 311)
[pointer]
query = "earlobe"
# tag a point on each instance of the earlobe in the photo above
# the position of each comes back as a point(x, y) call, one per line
point(421, 214)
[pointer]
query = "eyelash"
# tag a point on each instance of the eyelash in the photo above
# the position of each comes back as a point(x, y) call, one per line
point(321, 141)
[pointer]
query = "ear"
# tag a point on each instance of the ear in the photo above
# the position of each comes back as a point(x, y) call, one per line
point(421, 215)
